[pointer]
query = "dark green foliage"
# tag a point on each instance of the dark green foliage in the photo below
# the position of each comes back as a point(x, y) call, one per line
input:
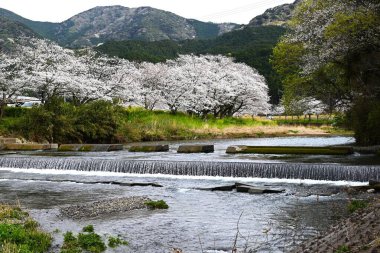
point(114, 242)
point(88, 241)
point(355, 205)
point(342, 249)
point(15, 111)
point(38, 125)
point(42, 28)
point(30, 240)
point(365, 118)
point(251, 45)
point(205, 30)
point(159, 204)
point(88, 229)
point(62, 122)
point(97, 122)
point(70, 244)
point(140, 51)
point(91, 242)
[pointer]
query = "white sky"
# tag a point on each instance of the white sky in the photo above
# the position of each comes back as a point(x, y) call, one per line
point(237, 11)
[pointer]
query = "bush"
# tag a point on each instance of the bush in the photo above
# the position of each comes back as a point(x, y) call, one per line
point(365, 117)
point(15, 111)
point(61, 122)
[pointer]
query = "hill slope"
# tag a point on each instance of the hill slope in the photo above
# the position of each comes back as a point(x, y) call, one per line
point(278, 15)
point(10, 29)
point(42, 28)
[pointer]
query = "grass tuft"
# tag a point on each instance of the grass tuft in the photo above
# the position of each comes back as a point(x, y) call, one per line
point(159, 204)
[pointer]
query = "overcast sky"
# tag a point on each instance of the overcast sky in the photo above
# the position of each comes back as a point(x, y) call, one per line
point(237, 11)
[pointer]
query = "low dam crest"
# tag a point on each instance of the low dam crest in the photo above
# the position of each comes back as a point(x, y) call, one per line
point(330, 172)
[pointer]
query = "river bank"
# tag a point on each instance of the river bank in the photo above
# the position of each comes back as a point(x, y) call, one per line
point(124, 125)
point(360, 232)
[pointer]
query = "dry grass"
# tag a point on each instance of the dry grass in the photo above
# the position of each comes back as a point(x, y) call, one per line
point(263, 131)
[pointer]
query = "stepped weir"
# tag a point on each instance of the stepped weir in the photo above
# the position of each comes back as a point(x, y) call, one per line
point(330, 172)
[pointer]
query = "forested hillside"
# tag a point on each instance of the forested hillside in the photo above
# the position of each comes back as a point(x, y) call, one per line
point(251, 45)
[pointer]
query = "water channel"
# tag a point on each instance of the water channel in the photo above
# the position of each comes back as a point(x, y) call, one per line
point(196, 220)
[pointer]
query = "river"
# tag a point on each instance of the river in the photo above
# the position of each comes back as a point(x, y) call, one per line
point(196, 220)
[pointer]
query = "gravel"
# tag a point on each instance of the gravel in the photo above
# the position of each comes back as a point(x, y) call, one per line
point(104, 207)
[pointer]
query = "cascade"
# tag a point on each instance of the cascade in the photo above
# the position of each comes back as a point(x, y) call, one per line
point(331, 172)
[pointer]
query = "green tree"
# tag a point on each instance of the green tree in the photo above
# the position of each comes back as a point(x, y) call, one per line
point(332, 52)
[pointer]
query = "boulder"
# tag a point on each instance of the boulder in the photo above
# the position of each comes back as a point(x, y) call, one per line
point(149, 148)
point(245, 188)
point(196, 149)
point(220, 188)
point(254, 190)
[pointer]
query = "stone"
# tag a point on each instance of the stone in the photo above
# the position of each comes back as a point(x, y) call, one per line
point(220, 188)
point(196, 149)
point(371, 190)
point(149, 148)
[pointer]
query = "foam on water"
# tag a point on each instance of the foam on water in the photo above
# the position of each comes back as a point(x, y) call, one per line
point(181, 177)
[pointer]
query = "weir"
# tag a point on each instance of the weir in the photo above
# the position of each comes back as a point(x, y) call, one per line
point(330, 172)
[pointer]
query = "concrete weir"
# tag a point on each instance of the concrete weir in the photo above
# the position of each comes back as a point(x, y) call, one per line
point(196, 149)
point(241, 149)
point(330, 172)
point(90, 147)
point(18, 145)
point(149, 148)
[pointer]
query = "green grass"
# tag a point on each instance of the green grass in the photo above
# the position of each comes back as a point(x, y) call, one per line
point(143, 125)
point(88, 229)
point(20, 233)
point(342, 249)
point(91, 242)
point(114, 242)
point(136, 124)
point(159, 204)
point(355, 205)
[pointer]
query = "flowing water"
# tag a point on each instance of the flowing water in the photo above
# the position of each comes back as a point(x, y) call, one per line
point(196, 220)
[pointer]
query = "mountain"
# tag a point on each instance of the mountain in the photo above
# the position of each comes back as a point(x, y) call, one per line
point(42, 28)
point(278, 15)
point(251, 45)
point(102, 24)
point(12, 29)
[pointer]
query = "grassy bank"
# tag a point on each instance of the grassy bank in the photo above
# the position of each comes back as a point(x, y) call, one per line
point(102, 122)
point(20, 233)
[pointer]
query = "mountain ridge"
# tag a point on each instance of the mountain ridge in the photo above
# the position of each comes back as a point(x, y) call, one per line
point(103, 23)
